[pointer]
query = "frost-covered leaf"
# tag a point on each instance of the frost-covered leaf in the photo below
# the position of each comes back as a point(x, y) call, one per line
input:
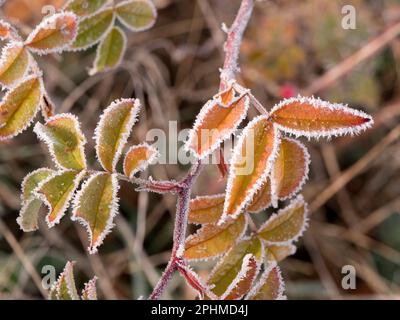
point(89, 292)
point(251, 164)
point(64, 288)
point(243, 281)
point(262, 198)
point(93, 28)
point(113, 130)
point(110, 51)
point(228, 268)
point(14, 63)
point(19, 106)
point(95, 206)
point(279, 252)
point(206, 209)
point(287, 225)
point(65, 140)
point(5, 30)
point(138, 159)
point(56, 192)
point(84, 7)
point(212, 240)
point(54, 34)
point(28, 215)
point(313, 117)
point(137, 15)
point(216, 123)
point(32, 180)
point(290, 169)
point(270, 286)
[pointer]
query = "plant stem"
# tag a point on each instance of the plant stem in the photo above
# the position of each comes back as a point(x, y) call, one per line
point(232, 49)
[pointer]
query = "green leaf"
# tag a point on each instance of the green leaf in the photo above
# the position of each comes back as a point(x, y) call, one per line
point(93, 28)
point(287, 225)
point(19, 106)
point(54, 34)
point(137, 15)
point(228, 268)
point(29, 213)
point(32, 180)
point(57, 191)
point(110, 51)
point(89, 292)
point(65, 140)
point(95, 206)
point(14, 63)
point(84, 7)
point(270, 285)
point(113, 130)
point(211, 240)
point(64, 288)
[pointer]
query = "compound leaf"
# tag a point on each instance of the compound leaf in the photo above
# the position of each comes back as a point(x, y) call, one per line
point(84, 7)
point(110, 51)
point(212, 240)
point(251, 164)
point(93, 28)
point(95, 206)
point(136, 15)
point(206, 209)
point(138, 159)
point(216, 122)
point(65, 140)
point(287, 225)
point(14, 63)
point(19, 106)
point(313, 117)
point(113, 130)
point(53, 34)
point(56, 192)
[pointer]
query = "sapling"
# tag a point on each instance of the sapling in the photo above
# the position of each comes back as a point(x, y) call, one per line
point(267, 165)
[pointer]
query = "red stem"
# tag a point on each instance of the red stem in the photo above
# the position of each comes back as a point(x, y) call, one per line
point(232, 49)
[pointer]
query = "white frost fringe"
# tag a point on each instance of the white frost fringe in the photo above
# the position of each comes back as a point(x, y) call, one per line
point(154, 154)
point(152, 7)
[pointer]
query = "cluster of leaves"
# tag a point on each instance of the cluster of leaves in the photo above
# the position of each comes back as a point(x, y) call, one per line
point(97, 25)
point(65, 289)
point(81, 24)
point(278, 169)
point(96, 203)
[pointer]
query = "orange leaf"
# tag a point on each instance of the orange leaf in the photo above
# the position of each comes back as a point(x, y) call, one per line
point(211, 240)
point(313, 117)
point(290, 170)
point(244, 280)
point(250, 165)
point(262, 198)
point(270, 286)
point(5, 30)
point(216, 122)
point(138, 158)
point(279, 253)
point(14, 63)
point(206, 209)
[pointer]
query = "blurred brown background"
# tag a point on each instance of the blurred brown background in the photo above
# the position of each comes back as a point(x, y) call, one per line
point(290, 47)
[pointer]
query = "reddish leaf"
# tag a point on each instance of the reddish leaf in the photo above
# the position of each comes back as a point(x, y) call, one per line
point(262, 198)
point(312, 117)
point(216, 122)
point(206, 209)
point(290, 170)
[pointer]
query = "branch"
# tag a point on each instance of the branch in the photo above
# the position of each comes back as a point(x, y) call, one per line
point(228, 72)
